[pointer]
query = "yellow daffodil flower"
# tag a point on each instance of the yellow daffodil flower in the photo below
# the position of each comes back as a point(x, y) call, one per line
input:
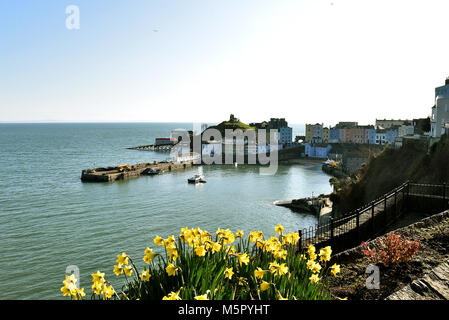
point(280, 297)
point(122, 258)
point(314, 278)
point(172, 253)
point(279, 229)
point(150, 253)
point(264, 285)
point(70, 282)
point(96, 287)
point(66, 291)
point(202, 297)
point(158, 241)
point(173, 295)
point(335, 269)
point(200, 251)
point(171, 269)
point(128, 270)
point(216, 247)
point(243, 258)
point(79, 294)
point(259, 273)
point(228, 273)
point(108, 292)
point(118, 269)
point(145, 275)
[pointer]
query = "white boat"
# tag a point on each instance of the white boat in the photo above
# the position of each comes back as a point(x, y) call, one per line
point(197, 178)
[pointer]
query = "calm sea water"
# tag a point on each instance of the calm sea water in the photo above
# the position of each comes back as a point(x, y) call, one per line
point(49, 219)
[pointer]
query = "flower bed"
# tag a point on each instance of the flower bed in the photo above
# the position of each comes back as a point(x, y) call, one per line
point(225, 266)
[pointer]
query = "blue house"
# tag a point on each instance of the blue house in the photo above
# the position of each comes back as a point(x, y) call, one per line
point(391, 134)
point(372, 136)
point(334, 135)
point(317, 150)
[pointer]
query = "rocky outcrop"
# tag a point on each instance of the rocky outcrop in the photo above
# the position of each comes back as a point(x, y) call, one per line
point(433, 286)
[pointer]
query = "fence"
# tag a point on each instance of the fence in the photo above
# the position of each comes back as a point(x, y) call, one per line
point(372, 219)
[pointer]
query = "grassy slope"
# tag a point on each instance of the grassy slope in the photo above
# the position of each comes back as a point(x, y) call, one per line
point(390, 169)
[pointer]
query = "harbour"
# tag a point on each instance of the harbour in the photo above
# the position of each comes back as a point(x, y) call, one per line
point(69, 222)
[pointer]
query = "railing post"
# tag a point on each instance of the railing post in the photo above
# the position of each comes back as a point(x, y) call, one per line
point(444, 195)
point(395, 204)
point(300, 241)
point(357, 223)
point(332, 227)
point(372, 218)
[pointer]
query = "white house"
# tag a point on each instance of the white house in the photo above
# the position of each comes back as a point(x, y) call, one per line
point(440, 111)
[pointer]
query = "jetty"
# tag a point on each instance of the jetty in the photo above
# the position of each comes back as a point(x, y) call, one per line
point(152, 147)
point(110, 174)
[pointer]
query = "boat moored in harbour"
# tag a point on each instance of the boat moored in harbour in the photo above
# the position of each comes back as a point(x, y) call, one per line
point(197, 178)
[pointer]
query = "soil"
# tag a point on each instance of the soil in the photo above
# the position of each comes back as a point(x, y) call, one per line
point(432, 232)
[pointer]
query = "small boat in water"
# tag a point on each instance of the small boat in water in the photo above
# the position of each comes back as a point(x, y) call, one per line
point(197, 178)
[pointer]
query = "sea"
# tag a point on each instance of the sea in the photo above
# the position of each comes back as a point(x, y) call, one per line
point(51, 222)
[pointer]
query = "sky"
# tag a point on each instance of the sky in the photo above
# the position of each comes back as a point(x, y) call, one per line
point(309, 61)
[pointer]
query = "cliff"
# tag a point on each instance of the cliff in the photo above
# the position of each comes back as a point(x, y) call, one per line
point(391, 168)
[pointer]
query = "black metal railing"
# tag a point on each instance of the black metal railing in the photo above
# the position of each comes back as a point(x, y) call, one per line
point(371, 219)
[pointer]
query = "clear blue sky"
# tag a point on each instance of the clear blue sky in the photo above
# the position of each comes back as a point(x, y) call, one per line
point(306, 60)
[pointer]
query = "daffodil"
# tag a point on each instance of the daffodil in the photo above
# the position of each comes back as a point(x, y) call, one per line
point(149, 254)
point(216, 247)
point(171, 269)
point(228, 273)
point(311, 249)
point(145, 275)
point(264, 285)
point(172, 253)
point(70, 282)
point(325, 254)
point(279, 229)
point(202, 297)
point(259, 273)
point(118, 269)
point(96, 287)
point(243, 258)
point(239, 234)
point(314, 278)
point(158, 241)
point(98, 277)
point(108, 291)
point(128, 270)
point(122, 258)
point(273, 266)
point(316, 267)
point(200, 251)
point(280, 297)
point(79, 294)
point(173, 295)
point(335, 269)
point(278, 269)
point(66, 291)
point(282, 269)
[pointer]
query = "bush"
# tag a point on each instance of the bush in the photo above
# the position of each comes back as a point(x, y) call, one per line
point(392, 249)
point(198, 265)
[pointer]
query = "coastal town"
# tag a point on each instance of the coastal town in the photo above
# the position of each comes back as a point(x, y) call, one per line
point(344, 148)
point(348, 144)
